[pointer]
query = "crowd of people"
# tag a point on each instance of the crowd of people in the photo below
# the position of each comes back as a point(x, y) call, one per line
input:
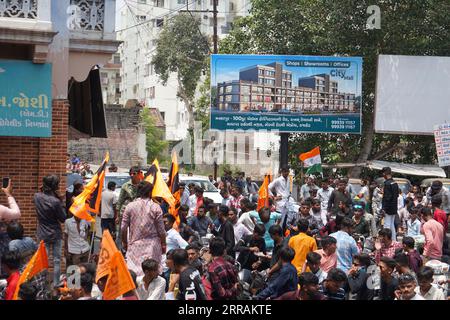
point(377, 244)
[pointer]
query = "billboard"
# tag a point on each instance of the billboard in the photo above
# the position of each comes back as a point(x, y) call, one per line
point(412, 94)
point(286, 93)
point(25, 99)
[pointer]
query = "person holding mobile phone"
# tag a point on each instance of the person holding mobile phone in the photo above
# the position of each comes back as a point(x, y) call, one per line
point(7, 213)
point(12, 211)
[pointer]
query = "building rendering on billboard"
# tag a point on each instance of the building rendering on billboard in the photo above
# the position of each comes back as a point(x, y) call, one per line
point(286, 93)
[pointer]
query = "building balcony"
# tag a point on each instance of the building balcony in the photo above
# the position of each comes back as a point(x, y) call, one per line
point(91, 24)
point(26, 25)
point(26, 14)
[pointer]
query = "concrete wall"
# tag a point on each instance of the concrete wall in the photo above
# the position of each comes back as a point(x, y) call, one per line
point(125, 142)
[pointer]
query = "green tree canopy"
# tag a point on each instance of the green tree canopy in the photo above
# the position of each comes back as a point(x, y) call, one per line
point(182, 50)
point(156, 145)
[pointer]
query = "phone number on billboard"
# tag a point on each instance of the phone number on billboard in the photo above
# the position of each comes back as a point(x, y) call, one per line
point(340, 124)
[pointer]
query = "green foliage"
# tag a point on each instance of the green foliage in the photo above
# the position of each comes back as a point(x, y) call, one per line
point(329, 27)
point(203, 103)
point(182, 49)
point(155, 144)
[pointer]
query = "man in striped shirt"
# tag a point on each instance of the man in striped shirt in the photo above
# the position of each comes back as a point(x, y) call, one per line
point(332, 286)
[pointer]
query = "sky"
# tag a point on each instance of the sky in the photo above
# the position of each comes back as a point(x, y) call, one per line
point(119, 5)
point(226, 68)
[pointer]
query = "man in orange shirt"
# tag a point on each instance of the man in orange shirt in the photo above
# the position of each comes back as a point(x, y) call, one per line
point(302, 245)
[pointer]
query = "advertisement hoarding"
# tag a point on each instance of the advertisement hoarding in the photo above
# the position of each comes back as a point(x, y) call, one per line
point(412, 94)
point(286, 93)
point(25, 99)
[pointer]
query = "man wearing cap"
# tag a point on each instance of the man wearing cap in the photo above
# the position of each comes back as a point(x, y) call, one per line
point(437, 188)
point(390, 201)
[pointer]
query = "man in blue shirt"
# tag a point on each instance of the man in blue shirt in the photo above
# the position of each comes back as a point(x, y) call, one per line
point(346, 245)
point(286, 281)
point(267, 218)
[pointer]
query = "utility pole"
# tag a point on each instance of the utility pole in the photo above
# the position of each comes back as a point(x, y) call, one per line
point(215, 25)
point(215, 50)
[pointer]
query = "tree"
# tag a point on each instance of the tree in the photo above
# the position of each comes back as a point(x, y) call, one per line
point(328, 27)
point(182, 50)
point(156, 145)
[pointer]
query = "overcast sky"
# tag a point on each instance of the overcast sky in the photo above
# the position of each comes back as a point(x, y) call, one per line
point(119, 5)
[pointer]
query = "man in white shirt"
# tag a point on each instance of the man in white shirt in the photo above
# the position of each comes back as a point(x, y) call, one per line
point(109, 217)
point(76, 244)
point(173, 238)
point(323, 195)
point(281, 187)
point(194, 200)
point(239, 229)
point(406, 286)
point(151, 286)
point(426, 288)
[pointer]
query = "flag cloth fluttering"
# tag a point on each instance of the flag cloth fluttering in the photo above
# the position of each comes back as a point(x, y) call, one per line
point(160, 188)
point(89, 200)
point(263, 193)
point(312, 161)
point(112, 264)
point(174, 187)
point(37, 264)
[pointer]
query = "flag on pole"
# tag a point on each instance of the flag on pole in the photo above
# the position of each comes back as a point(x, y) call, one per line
point(119, 278)
point(263, 193)
point(160, 188)
point(174, 187)
point(312, 161)
point(107, 250)
point(89, 200)
point(112, 264)
point(37, 264)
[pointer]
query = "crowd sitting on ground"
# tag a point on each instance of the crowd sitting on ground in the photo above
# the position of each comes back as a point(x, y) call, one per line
point(379, 244)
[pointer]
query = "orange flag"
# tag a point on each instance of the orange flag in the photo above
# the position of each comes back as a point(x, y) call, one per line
point(37, 263)
point(263, 193)
point(89, 200)
point(174, 187)
point(119, 279)
point(160, 188)
point(107, 251)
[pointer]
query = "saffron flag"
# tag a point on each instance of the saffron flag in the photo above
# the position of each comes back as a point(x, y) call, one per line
point(107, 250)
point(174, 187)
point(263, 193)
point(37, 264)
point(312, 161)
point(160, 188)
point(89, 200)
point(119, 279)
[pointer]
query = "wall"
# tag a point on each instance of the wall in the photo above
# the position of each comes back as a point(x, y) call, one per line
point(124, 142)
point(27, 160)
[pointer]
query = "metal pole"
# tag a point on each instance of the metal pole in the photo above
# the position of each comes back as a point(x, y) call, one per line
point(215, 25)
point(284, 149)
point(215, 52)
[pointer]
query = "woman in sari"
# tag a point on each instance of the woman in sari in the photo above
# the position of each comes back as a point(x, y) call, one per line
point(143, 221)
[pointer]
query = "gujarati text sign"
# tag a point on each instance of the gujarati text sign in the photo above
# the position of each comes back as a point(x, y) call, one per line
point(25, 99)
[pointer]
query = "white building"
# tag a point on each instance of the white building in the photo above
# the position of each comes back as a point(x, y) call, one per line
point(110, 80)
point(139, 80)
